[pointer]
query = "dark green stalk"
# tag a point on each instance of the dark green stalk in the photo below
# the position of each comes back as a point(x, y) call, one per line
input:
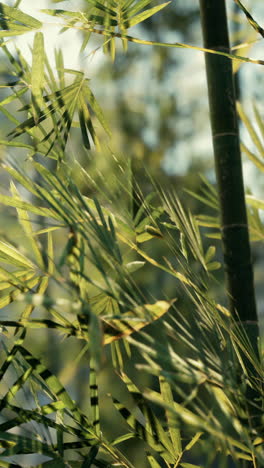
point(228, 165)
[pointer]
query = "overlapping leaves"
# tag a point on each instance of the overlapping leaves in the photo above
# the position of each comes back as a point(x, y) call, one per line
point(110, 18)
point(94, 240)
point(58, 428)
point(53, 104)
point(14, 22)
point(97, 243)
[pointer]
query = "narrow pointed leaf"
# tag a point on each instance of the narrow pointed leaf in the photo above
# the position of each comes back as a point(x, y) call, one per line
point(37, 76)
point(174, 432)
point(146, 14)
point(13, 256)
point(18, 16)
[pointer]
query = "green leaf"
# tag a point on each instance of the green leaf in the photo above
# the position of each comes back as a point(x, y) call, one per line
point(174, 432)
point(96, 108)
point(151, 430)
point(254, 158)
point(14, 96)
point(255, 202)
point(10, 297)
point(251, 20)
point(192, 419)
point(85, 137)
point(13, 256)
point(189, 465)
point(14, 32)
point(134, 266)
point(89, 459)
point(193, 441)
point(123, 438)
point(145, 14)
point(259, 120)
point(253, 134)
point(210, 253)
point(26, 225)
point(212, 266)
point(16, 144)
point(60, 67)
point(14, 16)
point(132, 321)
point(103, 7)
point(37, 76)
point(17, 203)
point(153, 462)
point(18, 277)
point(28, 445)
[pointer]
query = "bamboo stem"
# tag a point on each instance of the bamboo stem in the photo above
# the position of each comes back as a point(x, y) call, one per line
point(228, 165)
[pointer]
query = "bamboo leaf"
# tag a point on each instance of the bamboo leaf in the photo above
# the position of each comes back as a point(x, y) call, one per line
point(103, 7)
point(149, 429)
point(212, 266)
point(153, 462)
point(51, 265)
point(10, 297)
point(259, 119)
point(253, 134)
point(27, 445)
point(18, 15)
point(192, 442)
point(255, 202)
point(13, 256)
point(251, 20)
point(189, 465)
point(145, 14)
point(254, 158)
point(21, 178)
point(17, 94)
point(60, 67)
point(134, 7)
point(190, 418)
point(53, 383)
point(175, 434)
point(89, 459)
point(85, 138)
point(16, 144)
point(123, 438)
point(96, 108)
point(134, 266)
point(133, 321)
point(16, 203)
point(210, 253)
point(26, 224)
point(37, 76)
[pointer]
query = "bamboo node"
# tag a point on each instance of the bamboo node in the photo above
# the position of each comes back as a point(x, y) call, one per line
point(216, 135)
point(234, 225)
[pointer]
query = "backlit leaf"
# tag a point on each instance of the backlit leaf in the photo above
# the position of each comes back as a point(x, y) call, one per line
point(37, 76)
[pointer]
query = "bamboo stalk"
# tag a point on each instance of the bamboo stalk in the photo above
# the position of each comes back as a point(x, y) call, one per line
point(228, 165)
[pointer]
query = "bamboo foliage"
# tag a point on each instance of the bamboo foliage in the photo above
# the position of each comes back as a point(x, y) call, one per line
point(102, 319)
